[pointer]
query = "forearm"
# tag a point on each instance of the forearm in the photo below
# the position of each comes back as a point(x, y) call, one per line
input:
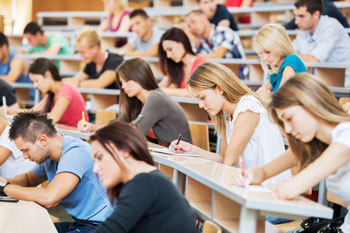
point(92, 83)
point(9, 78)
point(21, 180)
point(207, 154)
point(39, 195)
point(308, 58)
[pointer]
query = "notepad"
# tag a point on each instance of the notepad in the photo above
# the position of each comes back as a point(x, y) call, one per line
point(255, 188)
point(169, 152)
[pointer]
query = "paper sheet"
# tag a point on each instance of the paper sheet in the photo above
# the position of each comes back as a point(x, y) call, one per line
point(255, 188)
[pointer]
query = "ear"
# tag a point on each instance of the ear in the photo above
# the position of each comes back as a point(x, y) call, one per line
point(317, 14)
point(42, 139)
point(47, 74)
point(219, 90)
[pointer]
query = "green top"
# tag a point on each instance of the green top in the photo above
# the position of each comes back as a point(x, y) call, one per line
point(54, 39)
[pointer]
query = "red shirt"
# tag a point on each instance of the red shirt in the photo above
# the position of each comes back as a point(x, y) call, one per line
point(197, 62)
point(76, 106)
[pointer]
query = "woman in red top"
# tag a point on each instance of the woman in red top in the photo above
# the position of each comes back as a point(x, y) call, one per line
point(177, 61)
point(62, 101)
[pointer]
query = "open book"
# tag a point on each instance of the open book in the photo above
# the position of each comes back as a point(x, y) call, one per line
point(169, 152)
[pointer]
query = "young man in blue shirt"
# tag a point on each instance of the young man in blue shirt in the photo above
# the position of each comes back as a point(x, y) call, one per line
point(66, 163)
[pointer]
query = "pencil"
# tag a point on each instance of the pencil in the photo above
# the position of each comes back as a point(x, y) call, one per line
point(4, 105)
point(83, 117)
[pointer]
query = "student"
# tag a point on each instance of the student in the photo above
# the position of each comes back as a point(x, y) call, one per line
point(321, 38)
point(244, 18)
point(145, 199)
point(12, 68)
point(66, 163)
point(177, 61)
point(238, 115)
point(99, 71)
point(278, 58)
point(329, 9)
point(146, 38)
point(318, 132)
point(217, 14)
point(45, 45)
point(12, 162)
point(8, 92)
point(118, 16)
point(145, 106)
point(217, 41)
point(63, 102)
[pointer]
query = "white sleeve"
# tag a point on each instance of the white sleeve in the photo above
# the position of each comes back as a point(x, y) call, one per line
point(341, 134)
point(7, 143)
point(248, 103)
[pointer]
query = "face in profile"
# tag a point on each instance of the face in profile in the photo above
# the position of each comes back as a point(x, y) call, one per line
point(211, 100)
point(298, 122)
point(174, 50)
point(208, 7)
point(42, 82)
point(35, 152)
point(33, 40)
point(106, 166)
point(271, 58)
point(140, 25)
point(195, 24)
point(87, 52)
point(304, 19)
point(130, 87)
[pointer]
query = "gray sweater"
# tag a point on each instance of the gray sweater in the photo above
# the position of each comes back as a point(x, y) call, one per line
point(164, 116)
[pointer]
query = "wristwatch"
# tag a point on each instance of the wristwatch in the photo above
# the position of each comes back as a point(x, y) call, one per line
point(3, 184)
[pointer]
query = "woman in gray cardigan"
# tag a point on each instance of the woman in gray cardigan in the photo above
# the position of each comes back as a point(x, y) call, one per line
point(144, 105)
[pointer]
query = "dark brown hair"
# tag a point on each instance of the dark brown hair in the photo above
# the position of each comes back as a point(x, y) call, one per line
point(174, 70)
point(138, 70)
point(125, 138)
point(311, 5)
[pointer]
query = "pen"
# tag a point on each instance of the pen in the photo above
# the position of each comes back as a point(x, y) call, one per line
point(83, 117)
point(178, 141)
point(242, 166)
point(4, 105)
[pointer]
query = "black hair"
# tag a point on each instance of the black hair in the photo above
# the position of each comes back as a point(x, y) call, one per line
point(3, 40)
point(138, 12)
point(311, 5)
point(32, 28)
point(29, 125)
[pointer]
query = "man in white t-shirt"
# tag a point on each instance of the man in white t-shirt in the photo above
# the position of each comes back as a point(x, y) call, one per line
point(321, 38)
point(146, 39)
point(12, 162)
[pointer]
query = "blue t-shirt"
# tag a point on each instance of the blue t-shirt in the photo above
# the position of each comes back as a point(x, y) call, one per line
point(23, 78)
point(291, 60)
point(88, 200)
point(5, 70)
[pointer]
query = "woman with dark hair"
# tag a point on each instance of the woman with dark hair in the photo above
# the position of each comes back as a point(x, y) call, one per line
point(147, 201)
point(147, 107)
point(62, 100)
point(177, 61)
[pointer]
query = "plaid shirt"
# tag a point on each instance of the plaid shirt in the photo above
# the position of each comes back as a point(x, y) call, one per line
point(222, 37)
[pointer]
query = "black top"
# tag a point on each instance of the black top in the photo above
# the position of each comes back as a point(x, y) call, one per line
point(221, 14)
point(150, 203)
point(7, 91)
point(328, 9)
point(112, 62)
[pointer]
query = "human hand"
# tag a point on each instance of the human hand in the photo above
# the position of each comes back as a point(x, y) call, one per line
point(84, 126)
point(182, 147)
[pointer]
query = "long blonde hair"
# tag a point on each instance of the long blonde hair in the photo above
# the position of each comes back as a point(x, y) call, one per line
point(273, 38)
point(314, 96)
point(211, 75)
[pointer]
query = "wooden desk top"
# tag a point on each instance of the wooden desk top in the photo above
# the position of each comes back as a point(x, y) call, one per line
point(216, 176)
point(25, 216)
